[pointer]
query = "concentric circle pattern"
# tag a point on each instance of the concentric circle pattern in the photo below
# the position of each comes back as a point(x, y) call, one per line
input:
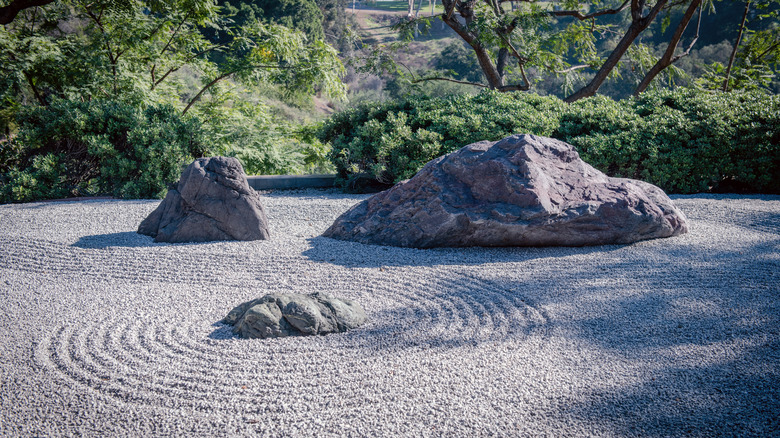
point(184, 360)
point(104, 332)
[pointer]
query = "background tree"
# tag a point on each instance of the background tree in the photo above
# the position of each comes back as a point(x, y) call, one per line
point(303, 15)
point(111, 92)
point(755, 53)
point(130, 51)
point(518, 43)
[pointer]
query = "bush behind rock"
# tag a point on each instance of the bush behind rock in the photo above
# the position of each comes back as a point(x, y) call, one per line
point(101, 147)
point(683, 141)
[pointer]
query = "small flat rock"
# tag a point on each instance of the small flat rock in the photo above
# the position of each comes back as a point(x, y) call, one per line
point(212, 201)
point(280, 315)
point(523, 190)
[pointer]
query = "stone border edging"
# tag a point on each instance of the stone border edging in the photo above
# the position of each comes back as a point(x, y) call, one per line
point(268, 182)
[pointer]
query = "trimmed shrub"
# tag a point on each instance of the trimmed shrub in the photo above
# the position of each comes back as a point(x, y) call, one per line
point(90, 148)
point(684, 141)
point(379, 144)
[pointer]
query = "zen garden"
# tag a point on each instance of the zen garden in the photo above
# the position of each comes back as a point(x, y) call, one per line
point(414, 218)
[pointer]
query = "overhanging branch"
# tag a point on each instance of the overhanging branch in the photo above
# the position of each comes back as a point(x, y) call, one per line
point(439, 78)
point(8, 13)
point(573, 68)
point(582, 17)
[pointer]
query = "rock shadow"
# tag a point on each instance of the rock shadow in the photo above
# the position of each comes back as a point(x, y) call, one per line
point(126, 239)
point(131, 239)
point(355, 254)
point(222, 332)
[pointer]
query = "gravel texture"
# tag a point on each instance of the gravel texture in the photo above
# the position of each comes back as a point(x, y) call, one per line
point(106, 333)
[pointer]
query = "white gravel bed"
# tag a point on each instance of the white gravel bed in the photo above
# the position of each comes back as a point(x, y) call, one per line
point(105, 333)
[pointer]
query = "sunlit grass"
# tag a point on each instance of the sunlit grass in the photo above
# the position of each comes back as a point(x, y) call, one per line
point(396, 6)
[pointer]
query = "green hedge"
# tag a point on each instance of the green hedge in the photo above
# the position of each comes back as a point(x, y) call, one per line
point(684, 141)
point(94, 148)
point(387, 142)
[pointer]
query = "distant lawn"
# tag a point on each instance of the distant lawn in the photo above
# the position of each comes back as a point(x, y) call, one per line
point(397, 6)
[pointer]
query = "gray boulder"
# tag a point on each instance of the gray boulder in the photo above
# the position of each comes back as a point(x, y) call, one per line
point(211, 201)
point(279, 315)
point(523, 190)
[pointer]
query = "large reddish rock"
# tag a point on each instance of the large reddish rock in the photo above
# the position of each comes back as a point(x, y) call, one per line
point(211, 201)
point(523, 190)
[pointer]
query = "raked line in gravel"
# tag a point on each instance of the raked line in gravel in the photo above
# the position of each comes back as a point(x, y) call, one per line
point(105, 333)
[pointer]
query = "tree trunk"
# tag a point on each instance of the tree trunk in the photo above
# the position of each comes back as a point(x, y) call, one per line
point(417, 14)
point(736, 46)
point(494, 78)
point(667, 60)
point(593, 86)
point(501, 62)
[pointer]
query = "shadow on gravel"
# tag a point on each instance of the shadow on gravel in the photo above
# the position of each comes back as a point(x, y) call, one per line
point(222, 332)
point(705, 333)
point(731, 398)
point(354, 254)
point(128, 239)
point(763, 222)
point(444, 314)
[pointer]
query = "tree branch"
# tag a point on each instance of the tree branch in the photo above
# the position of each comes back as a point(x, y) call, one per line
point(173, 35)
point(439, 78)
point(206, 87)
point(638, 24)
point(518, 87)
point(668, 57)
point(693, 41)
point(8, 13)
point(765, 52)
point(736, 46)
point(465, 9)
point(572, 68)
point(187, 61)
point(111, 57)
point(520, 58)
point(578, 15)
point(230, 73)
point(448, 8)
point(453, 23)
point(506, 88)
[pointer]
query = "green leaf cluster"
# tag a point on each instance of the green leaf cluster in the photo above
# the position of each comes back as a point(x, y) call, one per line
point(388, 142)
point(106, 97)
point(97, 148)
point(684, 141)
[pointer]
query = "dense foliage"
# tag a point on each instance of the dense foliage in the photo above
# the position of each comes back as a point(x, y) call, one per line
point(570, 49)
point(112, 96)
point(115, 89)
point(682, 141)
point(106, 147)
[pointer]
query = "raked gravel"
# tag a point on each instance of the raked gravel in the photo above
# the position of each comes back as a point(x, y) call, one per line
point(105, 333)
